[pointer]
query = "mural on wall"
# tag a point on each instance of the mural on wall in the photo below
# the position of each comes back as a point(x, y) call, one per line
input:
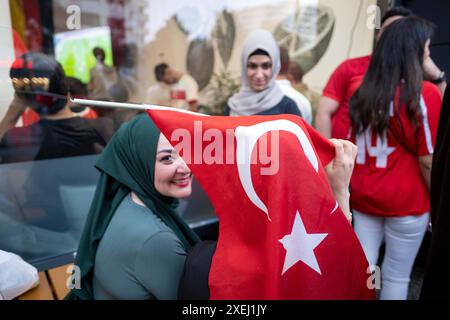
point(307, 34)
point(222, 85)
point(201, 61)
point(200, 57)
point(224, 33)
point(204, 38)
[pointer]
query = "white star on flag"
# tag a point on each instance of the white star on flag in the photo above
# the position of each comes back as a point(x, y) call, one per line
point(300, 246)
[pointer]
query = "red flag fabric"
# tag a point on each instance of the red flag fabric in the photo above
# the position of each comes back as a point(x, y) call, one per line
point(281, 233)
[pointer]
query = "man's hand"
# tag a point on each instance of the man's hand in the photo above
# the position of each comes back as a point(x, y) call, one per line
point(339, 172)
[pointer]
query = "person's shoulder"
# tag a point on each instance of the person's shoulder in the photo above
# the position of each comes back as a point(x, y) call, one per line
point(287, 105)
point(287, 102)
point(354, 64)
point(294, 94)
point(364, 60)
point(138, 227)
point(155, 87)
point(163, 241)
point(430, 88)
point(100, 121)
point(432, 96)
point(148, 220)
point(361, 59)
point(160, 240)
point(188, 78)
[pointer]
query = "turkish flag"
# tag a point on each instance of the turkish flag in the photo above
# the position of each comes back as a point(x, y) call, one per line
point(281, 233)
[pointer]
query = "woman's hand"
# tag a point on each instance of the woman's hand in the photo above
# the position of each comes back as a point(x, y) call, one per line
point(339, 172)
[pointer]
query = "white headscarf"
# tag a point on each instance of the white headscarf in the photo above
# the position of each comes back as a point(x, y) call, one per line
point(247, 101)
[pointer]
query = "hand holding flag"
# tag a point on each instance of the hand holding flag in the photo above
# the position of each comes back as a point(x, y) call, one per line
point(281, 234)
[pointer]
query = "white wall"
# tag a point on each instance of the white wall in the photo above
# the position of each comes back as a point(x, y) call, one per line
point(6, 57)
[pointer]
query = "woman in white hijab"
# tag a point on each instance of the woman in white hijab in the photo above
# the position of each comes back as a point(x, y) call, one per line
point(259, 93)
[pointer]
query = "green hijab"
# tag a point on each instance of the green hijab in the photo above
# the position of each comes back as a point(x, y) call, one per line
point(126, 164)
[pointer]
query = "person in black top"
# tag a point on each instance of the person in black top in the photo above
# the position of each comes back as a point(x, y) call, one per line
point(40, 83)
point(117, 93)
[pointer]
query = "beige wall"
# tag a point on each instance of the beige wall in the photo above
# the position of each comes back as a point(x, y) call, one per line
point(347, 14)
point(6, 57)
point(171, 44)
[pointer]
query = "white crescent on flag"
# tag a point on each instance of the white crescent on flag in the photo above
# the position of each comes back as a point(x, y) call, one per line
point(247, 137)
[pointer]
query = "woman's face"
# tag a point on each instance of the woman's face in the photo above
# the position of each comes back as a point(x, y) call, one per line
point(259, 72)
point(172, 176)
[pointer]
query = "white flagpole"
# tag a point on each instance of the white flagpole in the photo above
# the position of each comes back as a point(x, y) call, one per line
point(109, 104)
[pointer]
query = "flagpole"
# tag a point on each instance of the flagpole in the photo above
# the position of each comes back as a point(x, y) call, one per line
point(109, 104)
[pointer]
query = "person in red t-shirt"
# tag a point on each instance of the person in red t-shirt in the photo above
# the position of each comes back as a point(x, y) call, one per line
point(332, 114)
point(394, 117)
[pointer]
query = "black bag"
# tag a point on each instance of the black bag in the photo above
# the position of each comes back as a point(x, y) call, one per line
point(194, 280)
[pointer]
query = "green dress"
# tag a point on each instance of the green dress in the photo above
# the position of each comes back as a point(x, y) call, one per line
point(144, 264)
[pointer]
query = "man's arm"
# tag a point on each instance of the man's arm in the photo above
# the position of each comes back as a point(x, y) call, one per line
point(327, 107)
point(15, 110)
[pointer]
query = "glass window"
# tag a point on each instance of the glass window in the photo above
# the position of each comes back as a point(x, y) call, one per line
point(173, 53)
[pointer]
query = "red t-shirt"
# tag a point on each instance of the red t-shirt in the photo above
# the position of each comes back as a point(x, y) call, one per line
point(387, 179)
point(340, 87)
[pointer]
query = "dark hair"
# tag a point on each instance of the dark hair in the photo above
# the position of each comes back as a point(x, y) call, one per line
point(284, 60)
point(259, 52)
point(99, 51)
point(295, 71)
point(396, 11)
point(160, 70)
point(119, 92)
point(396, 64)
point(40, 80)
point(76, 87)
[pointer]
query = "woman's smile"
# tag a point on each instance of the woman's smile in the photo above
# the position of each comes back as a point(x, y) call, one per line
point(182, 182)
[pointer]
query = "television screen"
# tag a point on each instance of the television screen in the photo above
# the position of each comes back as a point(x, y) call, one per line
point(73, 49)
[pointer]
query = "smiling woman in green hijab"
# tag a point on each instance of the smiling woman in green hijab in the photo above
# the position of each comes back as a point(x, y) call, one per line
point(134, 244)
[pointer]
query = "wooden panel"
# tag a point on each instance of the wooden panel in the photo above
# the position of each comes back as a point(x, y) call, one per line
point(41, 292)
point(58, 280)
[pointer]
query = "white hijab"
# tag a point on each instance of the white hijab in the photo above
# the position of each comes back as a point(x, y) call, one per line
point(247, 101)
